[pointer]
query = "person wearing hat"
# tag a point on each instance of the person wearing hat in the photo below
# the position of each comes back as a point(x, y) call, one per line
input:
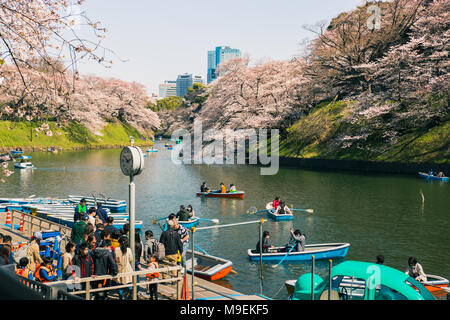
point(33, 255)
point(77, 234)
point(80, 209)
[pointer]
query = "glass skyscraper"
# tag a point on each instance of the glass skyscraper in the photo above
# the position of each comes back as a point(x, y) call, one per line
point(216, 57)
point(184, 81)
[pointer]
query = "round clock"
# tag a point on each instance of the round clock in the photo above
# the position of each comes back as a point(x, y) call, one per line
point(131, 161)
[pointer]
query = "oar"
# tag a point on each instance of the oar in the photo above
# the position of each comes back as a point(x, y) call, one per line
point(304, 210)
point(285, 256)
point(212, 220)
point(154, 221)
point(251, 212)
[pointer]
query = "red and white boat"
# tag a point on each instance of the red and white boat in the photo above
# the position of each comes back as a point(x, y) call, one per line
point(207, 266)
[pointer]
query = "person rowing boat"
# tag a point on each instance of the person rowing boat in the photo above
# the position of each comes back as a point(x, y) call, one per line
point(283, 209)
point(297, 239)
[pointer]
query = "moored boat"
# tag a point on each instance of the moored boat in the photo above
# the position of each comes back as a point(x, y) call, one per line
point(430, 177)
point(207, 266)
point(435, 283)
point(320, 251)
point(213, 194)
point(278, 216)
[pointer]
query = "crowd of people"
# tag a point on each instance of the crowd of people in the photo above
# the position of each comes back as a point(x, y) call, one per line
point(96, 249)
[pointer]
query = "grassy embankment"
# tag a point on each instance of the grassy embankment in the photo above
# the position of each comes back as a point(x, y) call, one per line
point(314, 136)
point(73, 136)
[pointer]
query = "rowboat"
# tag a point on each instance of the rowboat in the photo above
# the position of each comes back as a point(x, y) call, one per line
point(215, 194)
point(152, 150)
point(320, 251)
point(23, 164)
point(430, 177)
point(278, 216)
point(113, 204)
point(434, 284)
point(190, 223)
point(207, 266)
point(16, 153)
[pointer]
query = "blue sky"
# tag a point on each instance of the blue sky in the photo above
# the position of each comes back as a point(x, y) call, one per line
point(161, 39)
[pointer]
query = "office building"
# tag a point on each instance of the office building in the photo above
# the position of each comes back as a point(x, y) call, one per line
point(185, 81)
point(168, 89)
point(216, 57)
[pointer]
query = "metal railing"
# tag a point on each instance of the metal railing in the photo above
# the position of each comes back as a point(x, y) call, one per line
point(168, 275)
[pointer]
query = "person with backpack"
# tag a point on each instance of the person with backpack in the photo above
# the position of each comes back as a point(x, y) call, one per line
point(77, 233)
point(172, 244)
point(104, 264)
point(153, 247)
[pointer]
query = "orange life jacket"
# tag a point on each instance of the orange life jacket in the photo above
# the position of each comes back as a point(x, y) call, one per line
point(152, 275)
point(223, 189)
point(20, 272)
point(37, 274)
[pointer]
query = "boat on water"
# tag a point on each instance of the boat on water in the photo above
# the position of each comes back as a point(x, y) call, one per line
point(320, 251)
point(278, 216)
point(5, 157)
point(190, 223)
point(217, 194)
point(113, 204)
point(17, 152)
point(152, 150)
point(24, 163)
point(207, 266)
point(430, 177)
point(357, 280)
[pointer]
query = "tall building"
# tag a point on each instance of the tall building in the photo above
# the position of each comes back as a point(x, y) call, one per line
point(184, 81)
point(168, 89)
point(216, 57)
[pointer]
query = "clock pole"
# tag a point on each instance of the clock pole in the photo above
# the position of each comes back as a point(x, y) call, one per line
point(131, 219)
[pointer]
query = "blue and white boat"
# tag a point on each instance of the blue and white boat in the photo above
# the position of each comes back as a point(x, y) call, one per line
point(112, 204)
point(24, 163)
point(430, 177)
point(319, 251)
point(190, 223)
point(152, 150)
point(16, 153)
point(278, 216)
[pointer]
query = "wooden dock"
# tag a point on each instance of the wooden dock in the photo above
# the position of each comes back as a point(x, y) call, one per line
point(204, 290)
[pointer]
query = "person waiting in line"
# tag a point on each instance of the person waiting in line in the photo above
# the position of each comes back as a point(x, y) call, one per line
point(282, 209)
point(80, 210)
point(4, 256)
point(104, 264)
point(204, 187)
point(109, 226)
point(45, 272)
point(191, 212)
point(33, 251)
point(84, 262)
point(67, 260)
point(91, 215)
point(98, 231)
point(297, 239)
point(266, 246)
point(152, 265)
point(276, 203)
point(380, 259)
point(77, 233)
point(183, 214)
point(232, 188)
point(7, 241)
point(415, 270)
point(102, 214)
point(124, 258)
point(23, 270)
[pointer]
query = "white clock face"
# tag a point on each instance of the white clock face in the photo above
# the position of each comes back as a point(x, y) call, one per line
point(131, 161)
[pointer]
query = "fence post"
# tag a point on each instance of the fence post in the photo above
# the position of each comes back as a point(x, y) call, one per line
point(312, 278)
point(88, 290)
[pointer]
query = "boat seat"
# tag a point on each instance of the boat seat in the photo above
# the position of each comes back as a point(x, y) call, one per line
point(201, 268)
point(334, 295)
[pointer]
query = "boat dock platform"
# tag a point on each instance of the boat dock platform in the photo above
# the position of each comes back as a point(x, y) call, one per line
point(203, 290)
